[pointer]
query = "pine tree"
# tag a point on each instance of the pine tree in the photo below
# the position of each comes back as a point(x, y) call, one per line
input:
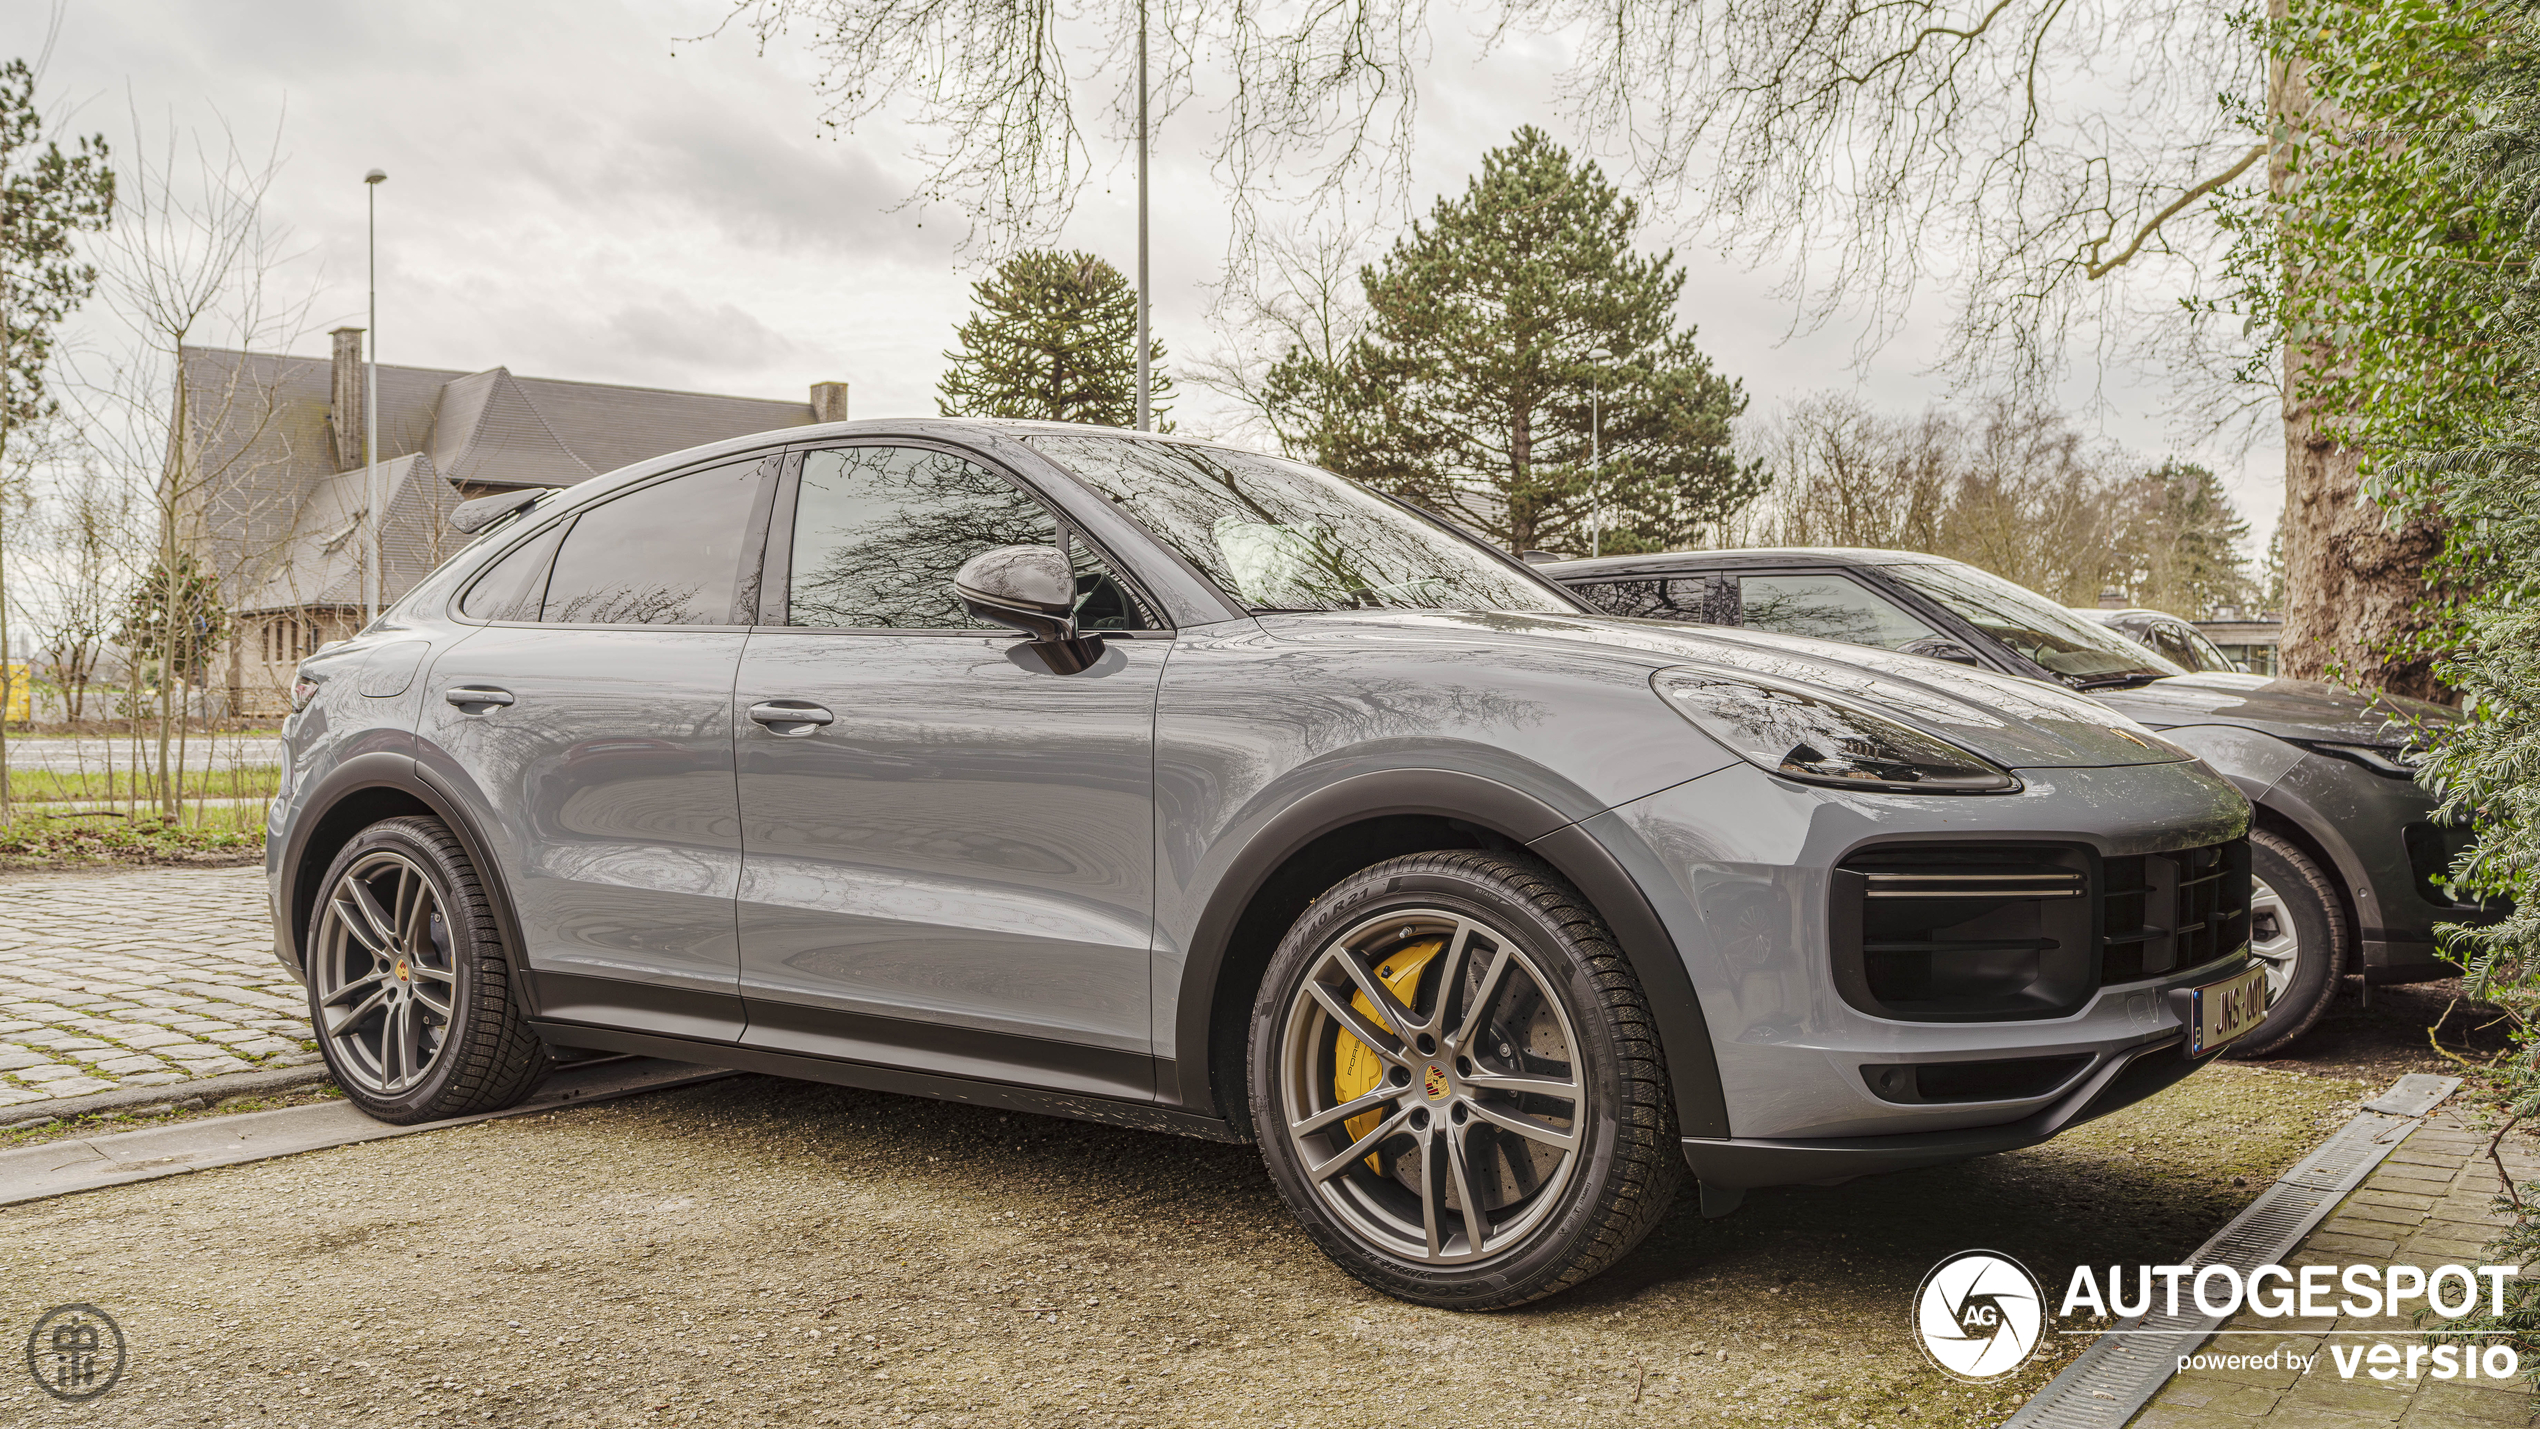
point(2182, 538)
point(47, 198)
point(1054, 338)
point(1475, 389)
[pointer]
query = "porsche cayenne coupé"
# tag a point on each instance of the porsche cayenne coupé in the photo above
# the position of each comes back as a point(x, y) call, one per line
point(1146, 781)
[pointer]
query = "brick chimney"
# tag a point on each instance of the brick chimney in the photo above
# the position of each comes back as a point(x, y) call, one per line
point(345, 401)
point(828, 401)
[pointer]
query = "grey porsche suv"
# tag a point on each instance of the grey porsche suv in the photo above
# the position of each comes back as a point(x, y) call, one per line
point(1152, 782)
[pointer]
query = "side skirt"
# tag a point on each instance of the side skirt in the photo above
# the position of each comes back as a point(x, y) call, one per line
point(1140, 1116)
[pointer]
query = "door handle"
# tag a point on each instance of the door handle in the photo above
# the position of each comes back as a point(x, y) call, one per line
point(476, 699)
point(791, 719)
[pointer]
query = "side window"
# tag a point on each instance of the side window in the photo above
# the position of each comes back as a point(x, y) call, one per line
point(667, 554)
point(2171, 641)
point(1826, 607)
point(1678, 598)
point(513, 587)
point(879, 531)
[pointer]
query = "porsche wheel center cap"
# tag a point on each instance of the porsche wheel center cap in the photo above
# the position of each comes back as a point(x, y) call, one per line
point(1435, 1084)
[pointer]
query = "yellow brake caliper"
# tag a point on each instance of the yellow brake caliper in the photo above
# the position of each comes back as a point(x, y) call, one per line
point(1356, 1069)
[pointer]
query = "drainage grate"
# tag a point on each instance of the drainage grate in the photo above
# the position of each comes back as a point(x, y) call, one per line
point(2121, 1372)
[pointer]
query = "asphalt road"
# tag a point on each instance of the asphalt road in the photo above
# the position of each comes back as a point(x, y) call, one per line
point(92, 755)
point(762, 1252)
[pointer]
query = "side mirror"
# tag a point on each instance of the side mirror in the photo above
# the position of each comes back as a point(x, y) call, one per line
point(1936, 647)
point(1030, 588)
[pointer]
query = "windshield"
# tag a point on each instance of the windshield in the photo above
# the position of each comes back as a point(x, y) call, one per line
point(2083, 652)
point(1279, 535)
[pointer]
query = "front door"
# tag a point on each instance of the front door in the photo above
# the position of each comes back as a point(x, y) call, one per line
point(591, 721)
point(949, 847)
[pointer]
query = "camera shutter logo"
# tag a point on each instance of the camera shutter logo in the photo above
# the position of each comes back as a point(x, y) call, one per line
point(1979, 1314)
point(75, 1352)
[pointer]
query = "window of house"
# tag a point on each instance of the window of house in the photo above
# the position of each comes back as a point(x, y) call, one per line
point(1825, 607)
point(665, 554)
point(879, 532)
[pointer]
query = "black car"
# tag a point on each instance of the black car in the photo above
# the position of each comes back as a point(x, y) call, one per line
point(2349, 855)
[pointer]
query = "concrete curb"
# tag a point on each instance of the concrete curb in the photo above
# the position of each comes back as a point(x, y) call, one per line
point(205, 1090)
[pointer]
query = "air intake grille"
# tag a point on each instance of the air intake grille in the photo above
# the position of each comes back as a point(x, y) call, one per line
point(1986, 932)
point(1964, 932)
point(2166, 911)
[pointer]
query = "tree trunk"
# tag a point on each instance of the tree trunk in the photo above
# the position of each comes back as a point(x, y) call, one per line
point(2352, 582)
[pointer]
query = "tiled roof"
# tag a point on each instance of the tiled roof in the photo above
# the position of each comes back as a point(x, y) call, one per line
point(264, 489)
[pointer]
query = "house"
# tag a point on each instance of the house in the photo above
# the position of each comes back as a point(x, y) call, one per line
point(271, 492)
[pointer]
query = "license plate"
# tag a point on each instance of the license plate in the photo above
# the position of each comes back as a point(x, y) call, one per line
point(2223, 1010)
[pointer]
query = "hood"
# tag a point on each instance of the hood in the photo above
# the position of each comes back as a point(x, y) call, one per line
point(2016, 723)
point(2287, 709)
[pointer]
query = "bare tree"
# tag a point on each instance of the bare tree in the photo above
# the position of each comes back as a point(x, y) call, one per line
point(2002, 484)
point(1303, 296)
point(1315, 97)
point(77, 562)
point(188, 263)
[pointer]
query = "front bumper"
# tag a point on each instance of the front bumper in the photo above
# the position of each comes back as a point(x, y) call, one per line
point(1737, 1165)
point(1740, 867)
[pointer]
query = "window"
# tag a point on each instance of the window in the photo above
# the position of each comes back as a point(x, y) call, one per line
point(665, 554)
point(513, 587)
point(1279, 535)
point(2084, 652)
point(1678, 598)
point(1825, 607)
point(879, 532)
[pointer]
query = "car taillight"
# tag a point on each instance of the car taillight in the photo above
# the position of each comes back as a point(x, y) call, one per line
point(303, 690)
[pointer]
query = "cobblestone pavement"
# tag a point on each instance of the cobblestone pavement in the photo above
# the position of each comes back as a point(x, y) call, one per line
point(2431, 1204)
point(140, 979)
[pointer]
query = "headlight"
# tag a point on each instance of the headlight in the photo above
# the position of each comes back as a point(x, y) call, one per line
point(1804, 734)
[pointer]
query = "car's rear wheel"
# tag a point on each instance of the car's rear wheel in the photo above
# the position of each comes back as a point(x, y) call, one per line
point(1457, 1083)
point(2297, 932)
point(409, 986)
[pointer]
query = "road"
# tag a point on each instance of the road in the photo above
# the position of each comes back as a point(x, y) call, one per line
point(62, 755)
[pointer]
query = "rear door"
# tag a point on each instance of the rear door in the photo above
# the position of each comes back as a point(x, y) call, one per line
point(950, 845)
point(591, 721)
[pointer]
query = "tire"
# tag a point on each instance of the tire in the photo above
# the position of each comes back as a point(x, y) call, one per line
point(410, 988)
point(2297, 928)
point(1381, 1191)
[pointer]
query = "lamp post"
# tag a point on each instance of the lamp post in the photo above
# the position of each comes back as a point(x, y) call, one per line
point(1596, 455)
point(375, 576)
point(1145, 398)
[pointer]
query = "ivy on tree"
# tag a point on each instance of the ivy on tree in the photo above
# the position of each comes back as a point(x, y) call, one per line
point(1471, 391)
point(1054, 338)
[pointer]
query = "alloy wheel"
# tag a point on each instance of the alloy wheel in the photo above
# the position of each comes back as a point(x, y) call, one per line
point(386, 979)
point(1431, 1086)
point(2272, 940)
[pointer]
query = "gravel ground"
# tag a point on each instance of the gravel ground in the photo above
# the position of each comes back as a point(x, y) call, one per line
point(764, 1252)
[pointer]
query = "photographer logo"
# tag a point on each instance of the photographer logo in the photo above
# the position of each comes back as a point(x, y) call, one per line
point(75, 1353)
point(1979, 1314)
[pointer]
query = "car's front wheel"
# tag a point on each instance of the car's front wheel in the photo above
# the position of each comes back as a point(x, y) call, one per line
point(2297, 932)
point(409, 986)
point(1458, 1085)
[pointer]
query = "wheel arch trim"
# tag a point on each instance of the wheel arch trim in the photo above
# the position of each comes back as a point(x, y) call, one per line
point(400, 774)
point(1512, 814)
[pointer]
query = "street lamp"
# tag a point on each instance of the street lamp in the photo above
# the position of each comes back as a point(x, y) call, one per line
point(375, 585)
point(1146, 400)
point(1596, 456)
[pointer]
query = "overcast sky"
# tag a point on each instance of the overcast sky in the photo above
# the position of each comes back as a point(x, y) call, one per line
point(575, 192)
